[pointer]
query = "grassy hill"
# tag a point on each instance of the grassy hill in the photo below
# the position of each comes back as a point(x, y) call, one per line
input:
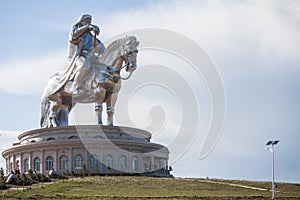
point(128, 187)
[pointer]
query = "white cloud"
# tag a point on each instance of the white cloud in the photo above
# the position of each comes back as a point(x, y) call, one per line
point(30, 75)
point(7, 138)
point(225, 27)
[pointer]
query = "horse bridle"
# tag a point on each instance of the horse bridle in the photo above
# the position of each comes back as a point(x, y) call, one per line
point(111, 71)
point(125, 65)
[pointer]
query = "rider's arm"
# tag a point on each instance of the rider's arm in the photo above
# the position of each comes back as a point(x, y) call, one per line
point(78, 32)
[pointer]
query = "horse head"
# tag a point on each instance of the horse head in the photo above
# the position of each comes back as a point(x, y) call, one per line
point(129, 53)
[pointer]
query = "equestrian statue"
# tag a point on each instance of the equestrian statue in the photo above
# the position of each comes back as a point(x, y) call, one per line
point(92, 74)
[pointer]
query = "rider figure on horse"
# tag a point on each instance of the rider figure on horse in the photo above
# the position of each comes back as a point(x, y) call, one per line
point(81, 43)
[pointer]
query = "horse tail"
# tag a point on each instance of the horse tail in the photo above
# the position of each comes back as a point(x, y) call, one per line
point(44, 111)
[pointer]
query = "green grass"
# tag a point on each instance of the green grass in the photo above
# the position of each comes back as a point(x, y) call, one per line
point(120, 187)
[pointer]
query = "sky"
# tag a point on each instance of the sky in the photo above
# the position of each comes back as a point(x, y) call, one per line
point(252, 48)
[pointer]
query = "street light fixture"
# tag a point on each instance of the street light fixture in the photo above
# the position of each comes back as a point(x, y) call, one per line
point(272, 143)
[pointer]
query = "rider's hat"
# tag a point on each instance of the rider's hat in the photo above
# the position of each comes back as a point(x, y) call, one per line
point(82, 18)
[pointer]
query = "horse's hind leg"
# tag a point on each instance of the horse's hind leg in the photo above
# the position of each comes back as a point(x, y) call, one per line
point(55, 104)
point(52, 117)
point(99, 109)
point(62, 116)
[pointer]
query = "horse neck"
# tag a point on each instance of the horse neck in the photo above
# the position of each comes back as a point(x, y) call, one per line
point(117, 64)
point(113, 59)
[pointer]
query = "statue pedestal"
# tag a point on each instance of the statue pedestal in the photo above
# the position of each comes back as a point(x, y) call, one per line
point(96, 148)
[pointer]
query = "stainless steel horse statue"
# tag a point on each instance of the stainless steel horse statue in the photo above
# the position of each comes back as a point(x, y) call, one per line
point(102, 84)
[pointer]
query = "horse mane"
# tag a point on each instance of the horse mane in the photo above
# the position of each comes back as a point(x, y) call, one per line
point(116, 44)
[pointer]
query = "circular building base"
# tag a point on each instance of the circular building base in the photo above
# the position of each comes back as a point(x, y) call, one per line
point(95, 149)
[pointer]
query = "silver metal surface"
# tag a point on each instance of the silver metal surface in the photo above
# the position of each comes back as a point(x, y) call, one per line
point(92, 75)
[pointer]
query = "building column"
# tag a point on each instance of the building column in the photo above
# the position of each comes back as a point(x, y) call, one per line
point(129, 161)
point(7, 164)
point(42, 163)
point(56, 162)
point(85, 159)
point(141, 162)
point(21, 163)
point(152, 163)
point(30, 161)
point(115, 159)
point(13, 162)
point(101, 161)
point(70, 165)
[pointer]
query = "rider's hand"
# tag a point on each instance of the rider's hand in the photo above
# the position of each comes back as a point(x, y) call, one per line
point(95, 29)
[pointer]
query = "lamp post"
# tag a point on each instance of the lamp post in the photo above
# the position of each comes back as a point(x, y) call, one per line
point(272, 143)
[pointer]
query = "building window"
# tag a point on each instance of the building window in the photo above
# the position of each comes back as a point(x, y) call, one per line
point(93, 162)
point(134, 163)
point(26, 165)
point(37, 165)
point(73, 137)
point(123, 164)
point(49, 139)
point(148, 166)
point(49, 163)
point(108, 161)
point(63, 163)
point(78, 162)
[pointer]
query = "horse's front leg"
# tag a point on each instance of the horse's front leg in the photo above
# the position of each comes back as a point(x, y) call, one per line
point(99, 97)
point(110, 102)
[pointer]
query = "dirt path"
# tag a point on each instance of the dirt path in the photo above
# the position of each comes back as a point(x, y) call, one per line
point(236, 185)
